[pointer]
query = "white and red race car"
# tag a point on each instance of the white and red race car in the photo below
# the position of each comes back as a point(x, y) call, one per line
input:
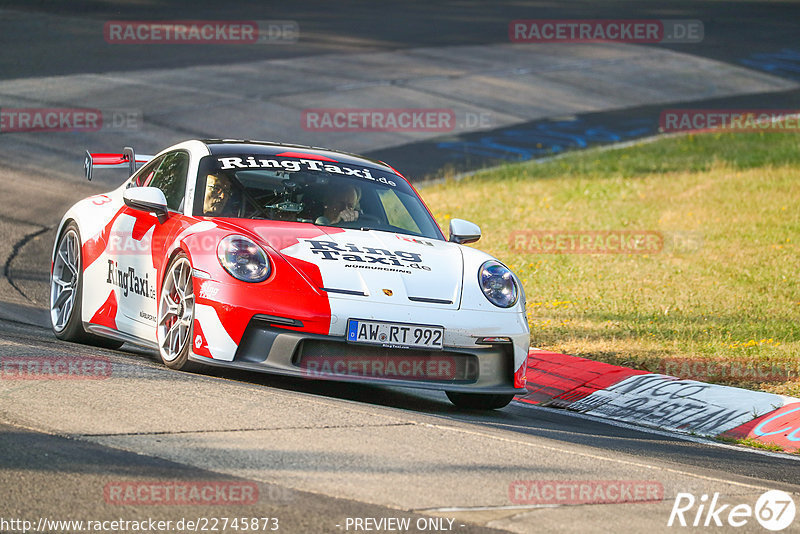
point(292, 260)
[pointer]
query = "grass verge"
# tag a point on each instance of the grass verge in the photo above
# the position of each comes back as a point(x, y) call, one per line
point(750, 442)
point(724, 286)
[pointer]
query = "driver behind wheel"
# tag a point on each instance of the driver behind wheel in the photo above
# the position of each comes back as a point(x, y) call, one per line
point(218, 193)
point(341, 205)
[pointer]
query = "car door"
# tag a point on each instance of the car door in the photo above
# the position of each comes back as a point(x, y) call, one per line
point(139, 259)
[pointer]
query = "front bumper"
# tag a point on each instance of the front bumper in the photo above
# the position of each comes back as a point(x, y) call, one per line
point(265, 347)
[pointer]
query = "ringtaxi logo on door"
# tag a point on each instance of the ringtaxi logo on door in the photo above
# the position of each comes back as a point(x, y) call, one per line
point(774, 510)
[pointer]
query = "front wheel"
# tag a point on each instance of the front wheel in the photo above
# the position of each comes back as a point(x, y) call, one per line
point(479, 401)
point(176, 315)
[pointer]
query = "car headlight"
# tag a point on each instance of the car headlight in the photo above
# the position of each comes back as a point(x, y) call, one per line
point(498, 284)
point(243, 259)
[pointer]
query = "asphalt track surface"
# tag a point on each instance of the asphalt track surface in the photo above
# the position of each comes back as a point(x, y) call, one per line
point(321, 452)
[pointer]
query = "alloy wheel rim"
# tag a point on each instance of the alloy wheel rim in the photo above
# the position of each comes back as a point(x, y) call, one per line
point(175, 310)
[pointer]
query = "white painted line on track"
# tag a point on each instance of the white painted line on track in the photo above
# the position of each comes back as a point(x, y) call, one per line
point(490, 508)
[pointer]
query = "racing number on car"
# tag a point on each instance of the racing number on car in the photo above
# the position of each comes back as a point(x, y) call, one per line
point(99, 200)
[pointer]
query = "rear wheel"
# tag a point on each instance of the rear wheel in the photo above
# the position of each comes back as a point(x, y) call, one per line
point(66, 290)
point(479, 401)
point(176, 315)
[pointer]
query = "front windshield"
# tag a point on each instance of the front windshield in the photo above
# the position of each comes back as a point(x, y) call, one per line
point(323, 193)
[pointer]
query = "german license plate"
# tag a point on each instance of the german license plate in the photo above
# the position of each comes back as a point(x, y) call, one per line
point(395, 335)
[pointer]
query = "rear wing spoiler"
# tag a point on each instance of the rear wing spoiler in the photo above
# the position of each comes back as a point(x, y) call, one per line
point(128, 159)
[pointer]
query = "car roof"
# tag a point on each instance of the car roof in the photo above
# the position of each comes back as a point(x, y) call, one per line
point(225, 147)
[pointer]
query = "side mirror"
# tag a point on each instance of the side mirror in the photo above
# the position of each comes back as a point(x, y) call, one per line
point(149, 199)
point(462, 231)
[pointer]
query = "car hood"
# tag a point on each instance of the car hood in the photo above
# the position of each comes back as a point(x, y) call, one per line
point(371, 265)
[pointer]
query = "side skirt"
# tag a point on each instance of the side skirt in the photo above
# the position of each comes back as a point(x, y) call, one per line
point(105, 331)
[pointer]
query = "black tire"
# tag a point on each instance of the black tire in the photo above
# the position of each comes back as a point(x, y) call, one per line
point(479, 401)
point(176, 357)
point(104, 342)
point(68, 325)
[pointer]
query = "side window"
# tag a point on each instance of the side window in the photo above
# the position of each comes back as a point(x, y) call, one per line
point(146, 173)
point(171, 178)
point(396, 213)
